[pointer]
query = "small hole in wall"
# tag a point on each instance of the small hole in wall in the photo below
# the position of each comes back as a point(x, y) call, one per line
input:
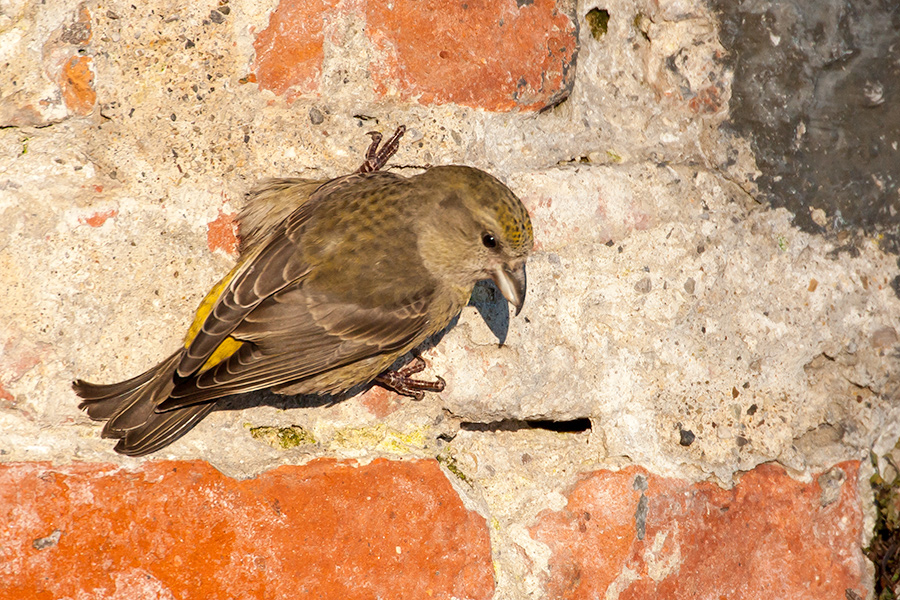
point(571, 426)
point(598, 21)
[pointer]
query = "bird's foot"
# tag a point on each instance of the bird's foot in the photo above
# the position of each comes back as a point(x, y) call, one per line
point(401, 380)
point(375, 158)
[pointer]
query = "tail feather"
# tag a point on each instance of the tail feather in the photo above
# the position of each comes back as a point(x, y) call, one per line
point(108, 402)
point(129, 409)
point(92, 393)
point(161, 429)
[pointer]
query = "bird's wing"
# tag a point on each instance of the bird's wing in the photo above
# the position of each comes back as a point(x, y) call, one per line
point(266, 270)
point(297, 334)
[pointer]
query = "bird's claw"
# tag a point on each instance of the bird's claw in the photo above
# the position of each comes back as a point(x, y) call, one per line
point(401, 381)
point(377, 158)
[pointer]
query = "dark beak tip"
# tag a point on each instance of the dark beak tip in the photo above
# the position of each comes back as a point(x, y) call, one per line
point(520, 303)
point(511, 283)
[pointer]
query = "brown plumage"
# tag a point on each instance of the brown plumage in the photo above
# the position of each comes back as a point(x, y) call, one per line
point(334, 283)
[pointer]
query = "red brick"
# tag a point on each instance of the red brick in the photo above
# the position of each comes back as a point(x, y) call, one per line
point(328, 529)
point(221, 234)
point(768, 537)
point(77, 85)
point(289, 51)
point(492, 54)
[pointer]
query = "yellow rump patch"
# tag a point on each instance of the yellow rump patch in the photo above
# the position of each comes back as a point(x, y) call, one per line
point(224, 350)
point(229, 345)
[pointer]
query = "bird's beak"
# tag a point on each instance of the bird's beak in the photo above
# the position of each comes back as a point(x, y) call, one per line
point(511, 283)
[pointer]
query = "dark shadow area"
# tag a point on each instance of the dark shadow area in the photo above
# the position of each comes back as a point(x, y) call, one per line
point(572, 426)
point(493, 308)
point(817, 92)
point(279, 401)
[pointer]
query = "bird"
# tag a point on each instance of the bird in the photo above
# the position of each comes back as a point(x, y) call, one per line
point(335, 281)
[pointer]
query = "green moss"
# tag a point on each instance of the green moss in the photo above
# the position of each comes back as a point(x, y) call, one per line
point(882, 550)
point(598, 21)
point(283, 437)
point(450, 464)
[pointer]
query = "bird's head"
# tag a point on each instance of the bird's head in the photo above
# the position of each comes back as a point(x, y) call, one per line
point(475, 228)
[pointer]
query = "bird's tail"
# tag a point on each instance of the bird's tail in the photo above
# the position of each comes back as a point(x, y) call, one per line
point(129, 409)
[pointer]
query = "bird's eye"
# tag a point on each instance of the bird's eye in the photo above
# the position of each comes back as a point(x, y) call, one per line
point(488, 240)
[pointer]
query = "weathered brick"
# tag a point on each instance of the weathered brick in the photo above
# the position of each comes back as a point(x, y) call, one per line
point(381, 402)
point(494, 55)
point(328, 529)
point(289, 51)
point(636, 535)
point(497, 55)
point(18, 355)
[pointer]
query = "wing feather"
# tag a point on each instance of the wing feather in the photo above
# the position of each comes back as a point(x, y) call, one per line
point(271, 268)
point(296, 335)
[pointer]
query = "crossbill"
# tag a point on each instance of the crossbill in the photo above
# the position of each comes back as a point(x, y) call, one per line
point(335, 282)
